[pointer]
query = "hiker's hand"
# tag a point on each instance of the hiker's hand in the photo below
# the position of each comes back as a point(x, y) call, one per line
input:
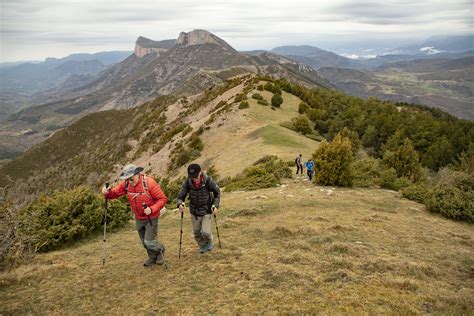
point(147, 211)
point(214, 209)
point(105, 190)
point(181, 207)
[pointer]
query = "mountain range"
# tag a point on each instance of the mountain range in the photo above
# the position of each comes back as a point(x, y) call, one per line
point(38, 99)
point(194, 62)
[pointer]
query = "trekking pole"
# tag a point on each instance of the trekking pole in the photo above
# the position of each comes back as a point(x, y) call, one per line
point(105, 223)
point(217, 229)
point(181, 235)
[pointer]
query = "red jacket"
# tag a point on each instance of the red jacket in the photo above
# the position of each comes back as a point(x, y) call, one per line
point(136, 196)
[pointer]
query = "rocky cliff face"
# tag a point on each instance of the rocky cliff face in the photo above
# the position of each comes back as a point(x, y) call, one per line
point(145, 46)
point(200, 37)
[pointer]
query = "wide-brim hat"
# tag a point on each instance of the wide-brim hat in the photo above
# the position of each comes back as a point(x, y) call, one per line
point(129, 171)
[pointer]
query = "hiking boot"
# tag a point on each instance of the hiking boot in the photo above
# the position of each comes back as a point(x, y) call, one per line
point(209, 246)
point(160, 259)
point(202, 248)
point(149, 262)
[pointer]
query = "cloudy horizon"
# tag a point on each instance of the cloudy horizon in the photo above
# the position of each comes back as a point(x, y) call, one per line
point(34, 30)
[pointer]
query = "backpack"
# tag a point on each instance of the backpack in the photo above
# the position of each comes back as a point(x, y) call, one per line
point(145, 188)
point(296, 160)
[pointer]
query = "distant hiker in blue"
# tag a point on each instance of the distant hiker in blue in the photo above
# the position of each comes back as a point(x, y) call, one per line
point(310, 169)
point(299, 164)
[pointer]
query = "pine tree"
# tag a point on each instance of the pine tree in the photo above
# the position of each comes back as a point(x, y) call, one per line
point(333, 162)
point(405, 161)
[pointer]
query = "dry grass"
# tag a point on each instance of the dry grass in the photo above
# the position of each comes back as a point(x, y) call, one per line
point(348, 252)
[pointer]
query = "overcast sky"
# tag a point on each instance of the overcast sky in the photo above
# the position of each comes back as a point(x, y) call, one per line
point(35, 29)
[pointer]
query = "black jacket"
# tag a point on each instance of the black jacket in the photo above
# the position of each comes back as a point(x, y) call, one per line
point(200, 201)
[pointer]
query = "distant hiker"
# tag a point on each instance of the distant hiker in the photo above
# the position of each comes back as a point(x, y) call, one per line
point(204, 198)
point(310, 169)
point(299, 164)
point(140, 189)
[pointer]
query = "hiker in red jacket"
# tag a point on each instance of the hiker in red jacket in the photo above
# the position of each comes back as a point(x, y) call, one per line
point(142, 189)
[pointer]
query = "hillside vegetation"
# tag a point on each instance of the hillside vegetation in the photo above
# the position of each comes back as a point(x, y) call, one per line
point(298, 248)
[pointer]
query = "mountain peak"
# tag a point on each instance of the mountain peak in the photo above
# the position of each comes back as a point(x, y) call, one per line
point(200, 37)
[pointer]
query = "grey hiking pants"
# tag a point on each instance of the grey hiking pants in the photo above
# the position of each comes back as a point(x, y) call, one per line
point(202, 228)
point(148, 234)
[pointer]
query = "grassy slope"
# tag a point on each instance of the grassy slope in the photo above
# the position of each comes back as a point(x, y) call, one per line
point(296, 248)
point(237, 140)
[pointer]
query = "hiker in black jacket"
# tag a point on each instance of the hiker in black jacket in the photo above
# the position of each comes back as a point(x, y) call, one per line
point(204, 198)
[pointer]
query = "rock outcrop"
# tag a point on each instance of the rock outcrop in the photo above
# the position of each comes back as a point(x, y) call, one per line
point(145, 46)
point(200, 37)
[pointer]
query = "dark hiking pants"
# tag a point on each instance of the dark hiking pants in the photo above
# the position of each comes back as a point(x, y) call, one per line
point(299, 168)
point(147, 234)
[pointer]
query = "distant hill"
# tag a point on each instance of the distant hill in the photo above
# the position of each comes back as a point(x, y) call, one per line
point(316, 57)
point(28, 84)
point(439, 83)
point(196, 61)
point(433, 45)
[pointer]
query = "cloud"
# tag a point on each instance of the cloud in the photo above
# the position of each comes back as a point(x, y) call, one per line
point(32, 26)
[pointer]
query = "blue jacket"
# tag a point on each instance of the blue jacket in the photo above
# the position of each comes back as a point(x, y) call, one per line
point(310, 165)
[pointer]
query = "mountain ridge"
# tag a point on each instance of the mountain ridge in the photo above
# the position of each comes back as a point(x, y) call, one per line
point(193, 63)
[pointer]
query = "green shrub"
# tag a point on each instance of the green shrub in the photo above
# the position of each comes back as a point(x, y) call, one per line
point(316, 114)
point(369, 139)
point(240, 97)
point(68, 216)
point(268, 86)
point(453, 195)
point(416, 192)
point(451, 202)
point(195, 142)
point(288, 125)
point(257, 96)
point(439, 154)
point(390, 180)
point(277, 100)
point(405, 160)
point(303, 107)
point(354, 137)
point(466, 160)
point(186, 131)
point(264, 173)
point(274, 165)
point(333, 162)
point(220, 105)
point(366, 172)
point(302, 125)
point(244, 105)
point(315, 136)
point(262, 102)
